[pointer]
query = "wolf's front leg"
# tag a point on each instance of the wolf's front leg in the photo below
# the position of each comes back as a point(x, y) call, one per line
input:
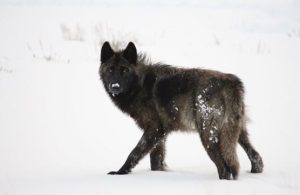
point(157, 156)
point(146, 143)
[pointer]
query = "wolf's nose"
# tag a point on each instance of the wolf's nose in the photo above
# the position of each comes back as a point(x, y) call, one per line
point(115, 86)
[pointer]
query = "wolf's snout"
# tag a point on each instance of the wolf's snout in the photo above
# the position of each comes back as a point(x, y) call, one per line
point(115, 86)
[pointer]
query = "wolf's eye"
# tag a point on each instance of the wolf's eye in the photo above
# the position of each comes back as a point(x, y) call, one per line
point(124, 69)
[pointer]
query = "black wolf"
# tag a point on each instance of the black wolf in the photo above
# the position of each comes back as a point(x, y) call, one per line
point(161, 99)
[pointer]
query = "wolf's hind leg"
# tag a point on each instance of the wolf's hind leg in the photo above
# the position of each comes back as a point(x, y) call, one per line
point(215, 155)
point(254, 157)
point(157, 157)
point(228, 143)
point(213, 150)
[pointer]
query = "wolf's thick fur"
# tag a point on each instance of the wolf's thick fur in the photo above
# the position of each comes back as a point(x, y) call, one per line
point(161, 99)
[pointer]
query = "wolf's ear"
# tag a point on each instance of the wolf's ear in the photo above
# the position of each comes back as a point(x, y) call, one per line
point(130, 53)
point(106, 52)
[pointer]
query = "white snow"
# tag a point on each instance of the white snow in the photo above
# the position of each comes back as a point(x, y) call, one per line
point(60, 133)
point(115, 85)
point(205, 109)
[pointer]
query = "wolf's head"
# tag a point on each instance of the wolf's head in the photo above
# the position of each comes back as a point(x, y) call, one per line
point(118, 69)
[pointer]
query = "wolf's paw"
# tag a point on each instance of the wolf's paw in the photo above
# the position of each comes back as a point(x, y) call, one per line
point(118, 173)
point(257, 165)
point(159, 167)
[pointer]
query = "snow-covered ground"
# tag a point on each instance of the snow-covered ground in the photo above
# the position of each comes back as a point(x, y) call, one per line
point(60, 134)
